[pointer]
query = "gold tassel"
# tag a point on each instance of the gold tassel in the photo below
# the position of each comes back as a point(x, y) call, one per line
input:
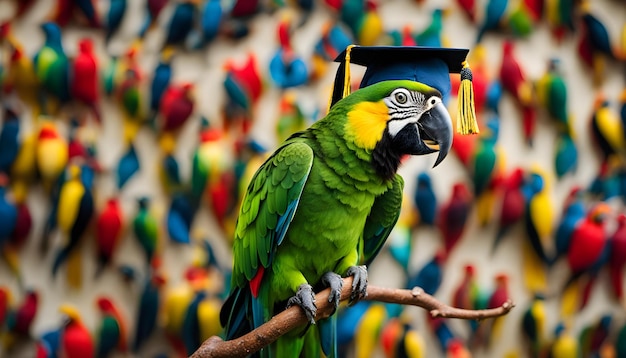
point(466, 119)
point(347, 82)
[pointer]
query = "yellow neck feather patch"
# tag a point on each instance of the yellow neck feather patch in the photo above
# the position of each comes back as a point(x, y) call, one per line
point(366, 123)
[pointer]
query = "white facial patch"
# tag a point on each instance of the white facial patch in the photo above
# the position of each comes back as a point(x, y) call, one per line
point(396, 126)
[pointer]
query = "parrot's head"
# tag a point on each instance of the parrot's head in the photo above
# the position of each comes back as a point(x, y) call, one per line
point(48, 131)
point(113, 202)
point(536, 182)
point(397, 118)
point(32, 297)
point(600, 212)
point(104, 304)
point(460, 190)
point(5, 29)
point(470, 270)
point(501, 279)
point(52, 31)
point(85, 45)
point(70, 312)
point(18, 53)
point(144, 202)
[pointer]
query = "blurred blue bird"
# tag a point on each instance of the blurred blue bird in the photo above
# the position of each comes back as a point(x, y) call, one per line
point(428, 277)
point(9, 140)
point(425, 199)
point(117, 10)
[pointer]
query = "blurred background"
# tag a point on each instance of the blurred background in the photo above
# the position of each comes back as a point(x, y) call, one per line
point(130, 127)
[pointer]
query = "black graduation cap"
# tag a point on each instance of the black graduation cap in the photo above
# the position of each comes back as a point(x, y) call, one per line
point(429, 65)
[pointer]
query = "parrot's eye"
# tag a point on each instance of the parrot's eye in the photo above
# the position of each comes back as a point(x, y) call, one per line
point(432, 101)
point(401, 97)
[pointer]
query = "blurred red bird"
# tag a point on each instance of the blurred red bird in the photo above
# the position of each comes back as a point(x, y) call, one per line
point(617, 259)
point(109, 226)
point(513, 205)
point(177, 106)
point(588, 240)
point(489, 331)
point(464, 295)
point(25, 314)
point(588, 252)
point(76, 341)
point(85, 77)
point(469, 8)
point(452, 218)
point(515, 82)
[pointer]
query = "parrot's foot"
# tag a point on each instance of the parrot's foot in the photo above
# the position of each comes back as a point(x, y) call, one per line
point(335, 283)
point(359, 283)
point(305, 298)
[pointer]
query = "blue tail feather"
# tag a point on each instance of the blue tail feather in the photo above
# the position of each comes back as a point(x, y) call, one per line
point(328, 336)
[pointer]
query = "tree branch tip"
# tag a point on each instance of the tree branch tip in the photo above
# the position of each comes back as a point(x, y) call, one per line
point(508, 305)
point(416, 291)
point(436, 313)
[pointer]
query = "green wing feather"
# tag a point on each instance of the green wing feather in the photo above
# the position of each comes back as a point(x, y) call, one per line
point(381, 220)
point(270, 202)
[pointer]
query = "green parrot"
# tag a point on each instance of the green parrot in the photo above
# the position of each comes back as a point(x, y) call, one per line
point(321, 207)
point(52, 68)
point(145, 227)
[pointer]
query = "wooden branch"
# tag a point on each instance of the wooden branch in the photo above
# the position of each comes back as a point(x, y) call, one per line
point(294, 317)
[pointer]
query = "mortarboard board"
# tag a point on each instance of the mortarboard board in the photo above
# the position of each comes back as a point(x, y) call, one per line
point(429, 65)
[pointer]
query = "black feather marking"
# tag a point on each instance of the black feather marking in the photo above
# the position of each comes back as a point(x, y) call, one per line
point(385, 159)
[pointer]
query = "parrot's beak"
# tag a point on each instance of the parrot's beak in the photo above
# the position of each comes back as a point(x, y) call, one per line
point(432, 132)
point(435, 130)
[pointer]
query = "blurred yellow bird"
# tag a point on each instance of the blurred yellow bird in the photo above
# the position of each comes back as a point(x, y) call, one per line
point(51, 154)
point(414, 344)
point(564, 346)
point(209, 318)
point(21, 78)
point(366, 337)
point(371, 27)
point(541, 217)
point(24, 168)
point(177, 300)
point(75, 209)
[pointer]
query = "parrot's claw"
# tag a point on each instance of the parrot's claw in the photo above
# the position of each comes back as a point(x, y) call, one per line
point(359, 283)
point(305, 298)
point(335, 283)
